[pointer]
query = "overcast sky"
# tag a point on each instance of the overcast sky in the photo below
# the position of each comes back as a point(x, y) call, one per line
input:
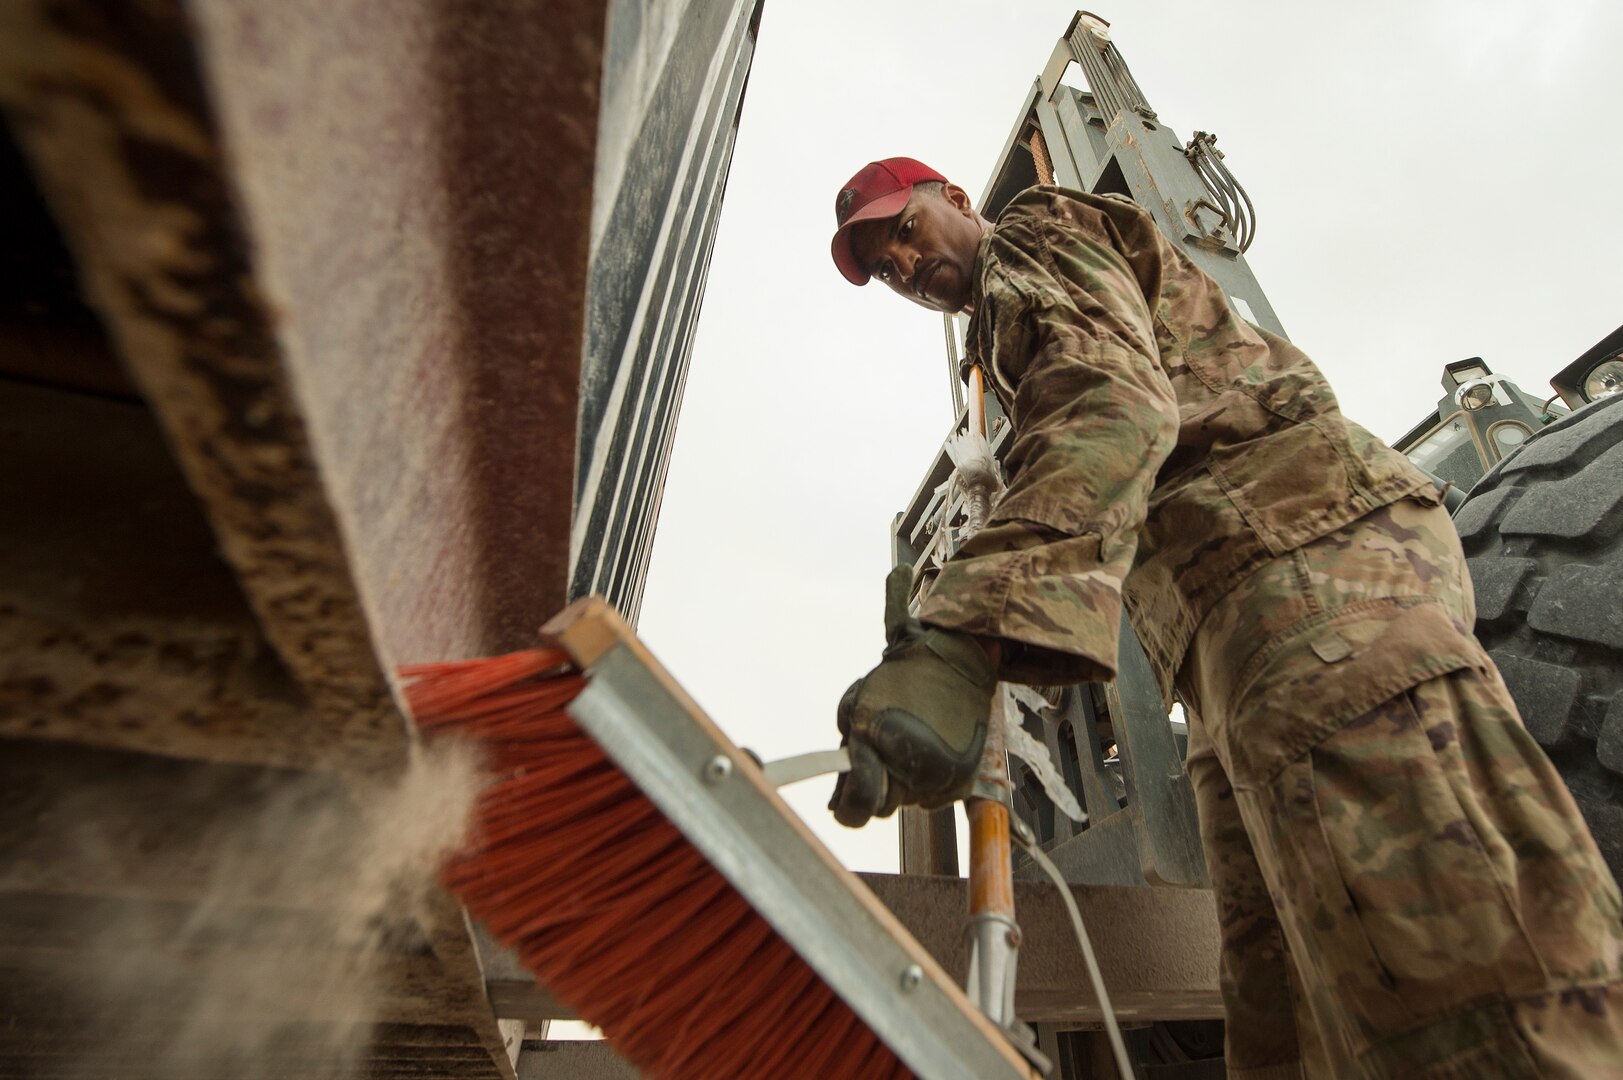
point(1433, 180)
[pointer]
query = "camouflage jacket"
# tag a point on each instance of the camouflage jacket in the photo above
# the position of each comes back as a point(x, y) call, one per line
point(1162, 449)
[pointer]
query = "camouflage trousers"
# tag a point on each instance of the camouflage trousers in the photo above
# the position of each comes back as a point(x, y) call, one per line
point(1404, 885)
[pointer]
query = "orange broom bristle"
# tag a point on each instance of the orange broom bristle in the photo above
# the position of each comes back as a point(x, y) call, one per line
point(610, 906)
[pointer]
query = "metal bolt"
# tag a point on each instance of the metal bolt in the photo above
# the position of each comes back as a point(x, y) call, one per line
point(718, 768)
point(912, 975)
point(1013, 937)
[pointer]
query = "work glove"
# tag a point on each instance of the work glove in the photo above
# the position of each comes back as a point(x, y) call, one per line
point(916, 724)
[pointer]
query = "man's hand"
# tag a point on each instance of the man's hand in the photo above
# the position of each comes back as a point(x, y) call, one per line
point(916, 724)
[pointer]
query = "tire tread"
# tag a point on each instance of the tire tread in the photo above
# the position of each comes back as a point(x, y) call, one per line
point(1543, 532)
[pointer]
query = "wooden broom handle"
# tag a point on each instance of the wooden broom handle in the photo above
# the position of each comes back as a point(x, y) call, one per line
point(977, 400)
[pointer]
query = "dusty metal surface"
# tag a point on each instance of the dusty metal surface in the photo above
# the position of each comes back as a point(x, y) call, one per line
point(350, 148)
point(417, 182)
point(315, 413)
point(108, 106)
point(120, 624)
point(288, 229)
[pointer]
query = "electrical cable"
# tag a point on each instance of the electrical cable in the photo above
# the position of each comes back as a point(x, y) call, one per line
point(1234, 203)
point(1028, 842)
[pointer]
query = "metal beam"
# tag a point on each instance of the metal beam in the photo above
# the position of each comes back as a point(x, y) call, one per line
point(120, 625)
point(594, 1060)
point(1157, 947)
point(53, 1046)
point(929, 841)
point(159, 984)
point(514, 992)
point(138, 185)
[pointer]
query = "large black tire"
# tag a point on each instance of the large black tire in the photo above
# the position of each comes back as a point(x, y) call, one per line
point(1544, 534)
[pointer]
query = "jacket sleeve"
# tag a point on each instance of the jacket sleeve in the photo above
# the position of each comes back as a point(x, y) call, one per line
point(1072, 348)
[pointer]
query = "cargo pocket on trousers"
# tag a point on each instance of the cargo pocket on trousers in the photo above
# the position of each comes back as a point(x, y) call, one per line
point(1345, 982)
point(1421, 888)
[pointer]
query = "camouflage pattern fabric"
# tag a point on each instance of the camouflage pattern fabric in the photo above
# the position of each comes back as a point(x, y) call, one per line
point(1163, 446)
point(1405, 887)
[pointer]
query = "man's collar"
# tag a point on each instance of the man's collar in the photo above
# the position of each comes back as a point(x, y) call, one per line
point(975, 349)
point(982, 251)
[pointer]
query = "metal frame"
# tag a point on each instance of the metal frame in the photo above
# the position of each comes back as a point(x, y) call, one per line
point(1141, 827)
point(649, 264)
point(1107, 139)
point(913, 531)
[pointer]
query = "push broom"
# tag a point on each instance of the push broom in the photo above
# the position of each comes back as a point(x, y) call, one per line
point(647, 873)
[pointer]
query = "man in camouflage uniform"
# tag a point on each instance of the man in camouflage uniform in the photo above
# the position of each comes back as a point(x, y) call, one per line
point(1396, 863)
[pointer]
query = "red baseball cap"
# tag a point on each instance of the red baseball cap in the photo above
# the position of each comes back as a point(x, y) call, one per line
point(879, 190)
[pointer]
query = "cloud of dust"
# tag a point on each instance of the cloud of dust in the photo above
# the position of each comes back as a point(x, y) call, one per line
point(312, 917)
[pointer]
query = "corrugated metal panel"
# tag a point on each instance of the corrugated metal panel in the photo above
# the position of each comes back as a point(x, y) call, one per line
point(648, 268)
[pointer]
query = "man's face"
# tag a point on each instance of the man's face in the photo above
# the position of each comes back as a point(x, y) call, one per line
point(927, 252)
